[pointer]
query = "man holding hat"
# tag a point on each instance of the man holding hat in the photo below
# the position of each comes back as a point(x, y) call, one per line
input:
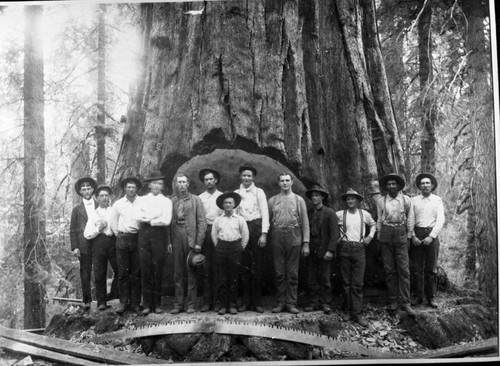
point(98, 229)
point(154, 216)
point(80, 246)
point(323, 248)
point(188, 233)
point(424, 250)
point(395, 222)
point(254, 210)
point(210, 178)
point(353, 222)
point(230, 236)
point(289, 237)
point(125, 226)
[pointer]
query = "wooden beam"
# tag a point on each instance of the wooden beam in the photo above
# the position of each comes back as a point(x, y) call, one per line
point(90, 352)
point(25, 349)
point(489, 345)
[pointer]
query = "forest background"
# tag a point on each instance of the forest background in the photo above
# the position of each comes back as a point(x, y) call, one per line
point(437, 56)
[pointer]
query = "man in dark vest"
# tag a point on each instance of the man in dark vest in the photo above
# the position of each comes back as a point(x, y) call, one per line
point(395, 222)
point(80, 246)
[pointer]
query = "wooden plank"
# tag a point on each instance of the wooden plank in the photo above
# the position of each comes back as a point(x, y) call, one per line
point(25, 349)
point(90, 352)
point(64, 299)
point(488, 345)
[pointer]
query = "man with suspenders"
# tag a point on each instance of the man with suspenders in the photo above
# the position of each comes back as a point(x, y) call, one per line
point(354, 238)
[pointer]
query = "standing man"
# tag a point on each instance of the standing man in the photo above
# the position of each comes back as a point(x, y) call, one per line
point(253, 208)
point(289, 237)
point(98, 229)
point(210, 178)
point(80, 246)
point(323, 248)
point(155, 215)
point(188, 232)
point(230, 236)
point(353, 223)
point(125, 226)
point(395, 222)
point(424, 251)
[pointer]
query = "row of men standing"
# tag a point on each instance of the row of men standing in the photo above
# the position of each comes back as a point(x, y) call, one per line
point(294, 231)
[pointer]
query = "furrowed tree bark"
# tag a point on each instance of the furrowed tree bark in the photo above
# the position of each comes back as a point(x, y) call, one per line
point(35, 254)
point(481, 118)
point(427, 97)
point(301, 82)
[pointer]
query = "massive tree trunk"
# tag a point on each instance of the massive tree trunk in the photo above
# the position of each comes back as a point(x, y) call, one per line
point(35, 254)
point(101, 96)
point(484, 219)
point(301, 82)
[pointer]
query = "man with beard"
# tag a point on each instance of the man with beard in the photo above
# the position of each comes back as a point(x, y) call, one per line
point(210, 178)
point(125, 226)
point(429, 220)
point(80, 246)
point(395, 224)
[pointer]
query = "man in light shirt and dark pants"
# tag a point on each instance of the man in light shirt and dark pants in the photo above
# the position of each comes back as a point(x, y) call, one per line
point(154, 216)
point(253, 208)
point(125, 226)
point(230, 236)
point(210, 178)
point(424, 250)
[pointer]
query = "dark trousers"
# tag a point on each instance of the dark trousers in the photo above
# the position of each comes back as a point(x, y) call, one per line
point(318, 278)
point(127, 260)
point(396, 262)
point(85, 275)
point(228, 257)
point(352, 268)
point(209, 279)
point(152, 249)
point(424, 264)
point(181, 269)
point(286, 244)
point(104, 251)
point(251, 269)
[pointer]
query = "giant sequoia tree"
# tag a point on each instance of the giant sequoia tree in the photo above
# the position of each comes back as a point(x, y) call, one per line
point(301, 82)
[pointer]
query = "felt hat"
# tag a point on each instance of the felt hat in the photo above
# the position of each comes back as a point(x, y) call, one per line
point(195, 260)
point(426, 175)
point(220, 200)
point(80, 181)
point(317, 188)
point(103, 187)
point(125, 181)
point(154, 175)
point(248, 167)
point(206, 171)
point(392, 176)
point(352, 192)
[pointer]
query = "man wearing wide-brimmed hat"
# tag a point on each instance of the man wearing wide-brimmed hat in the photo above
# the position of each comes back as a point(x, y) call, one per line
point(154, 216)
point(80, 246)
point(254, 210)
point(188, 232)
point(395, 222)
point(230, 236)
point(125, 226)
point(210, 178)
point(354, 237)
point(323, 248)
point(424, 250)
point(98, 229)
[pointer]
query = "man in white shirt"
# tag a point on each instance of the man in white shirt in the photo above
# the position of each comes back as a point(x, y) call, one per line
point(154, 216)
point(210, 178)
point(80, 246)
point(98, 229)
point(424, 249)
point(253, 208)
point(230, 237)
point(125, 226)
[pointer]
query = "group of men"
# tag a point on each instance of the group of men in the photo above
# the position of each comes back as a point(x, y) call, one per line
point(225, 234)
